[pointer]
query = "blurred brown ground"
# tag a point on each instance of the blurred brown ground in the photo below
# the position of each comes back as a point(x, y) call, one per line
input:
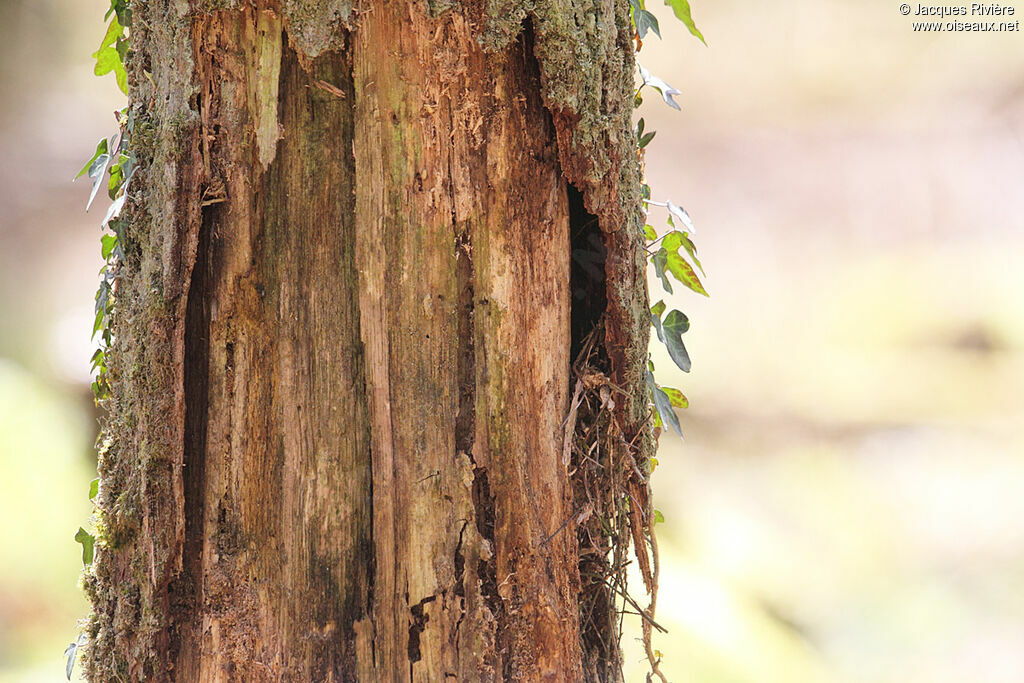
point(847, 504)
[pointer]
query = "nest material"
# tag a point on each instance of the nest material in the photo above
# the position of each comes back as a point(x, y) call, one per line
point(612, 497)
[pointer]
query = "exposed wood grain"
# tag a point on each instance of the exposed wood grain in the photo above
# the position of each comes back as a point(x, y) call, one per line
point(282, 569)
point(462, 242)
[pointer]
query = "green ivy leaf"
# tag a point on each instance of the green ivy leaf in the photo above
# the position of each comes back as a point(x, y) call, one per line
point(663, 405)
point(660, 261)
point(692, 251)
point(674, 326)
point(683, 272)
point(107, 244)
point(102, 296)
point(120, 7)
point(672, 241)
point(649, 234)
point(676, 397)
point(114, 31)
point(642, 140)
point(88, 542)
point(96, 170)
point(94, 488)
point(108, 60)
point(121, 45)
point(115, 181)
point(645, 21)
point(111, 54)
point(101, 148)
point(656, 311)
point(658, 517)
point(102, 306)
point(682, 12)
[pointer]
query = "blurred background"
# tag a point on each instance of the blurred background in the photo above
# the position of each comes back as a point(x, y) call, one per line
point(848, 503)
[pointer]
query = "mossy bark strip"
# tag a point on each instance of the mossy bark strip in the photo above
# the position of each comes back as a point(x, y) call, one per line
point(141, 502)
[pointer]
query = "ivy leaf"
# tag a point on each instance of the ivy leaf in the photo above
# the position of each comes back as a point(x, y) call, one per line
point(111, 53)
point(114, 31)
point(88, 542)
point(128, 166)
point(643, 139)
point(660, 260)
point(682, 11)
point(94, 488)
point(674, 326)
point(650, 234)
point(663, 405)
point(107, 244)
point(101, 148)
point(681, 215)
point(645, 21)
point(121, 45)
point(692, 251)
point(683, 272)
point(70, 653)
point(114, 181)
point(677, 397)
point(124, 14)
point(658, 517)
point(96, 170)
point(115, 209)
point(102, 307)
point(102, 296)
point(672, 241)
point(107, 60)
point(656, 311)
point(666, 90)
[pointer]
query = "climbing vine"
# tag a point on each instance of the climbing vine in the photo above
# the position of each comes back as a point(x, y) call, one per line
point(663, 253)
point(663, 249)
point(112, 167)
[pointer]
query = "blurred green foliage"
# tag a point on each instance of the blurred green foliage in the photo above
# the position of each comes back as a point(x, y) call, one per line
point(45, 467)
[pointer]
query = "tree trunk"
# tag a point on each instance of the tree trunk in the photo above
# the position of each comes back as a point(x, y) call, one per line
point(344, 436)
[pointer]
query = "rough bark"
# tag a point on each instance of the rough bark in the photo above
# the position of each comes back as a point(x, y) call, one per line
point(343, 328)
